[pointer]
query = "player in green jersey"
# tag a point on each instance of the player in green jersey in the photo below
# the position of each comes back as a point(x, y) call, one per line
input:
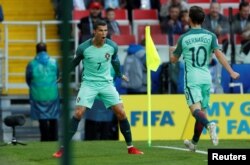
point(196, 46)
point(98, 55)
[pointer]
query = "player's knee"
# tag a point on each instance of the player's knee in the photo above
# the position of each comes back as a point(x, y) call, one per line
point(79, 112)
point(121, 115)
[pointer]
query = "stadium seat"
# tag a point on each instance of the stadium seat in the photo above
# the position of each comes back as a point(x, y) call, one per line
point(124, 39)
point(228, 1)
point(120, 14)
point(222, 38)
point(160, 39)
point(154, 29)
point(237, 39)
point(206, 10)
point(162, 2)
point(200, 1)
point(226, 11)
point(243, 69)
point(205, 4)
point(125, 29)
point(144, 14)
point(144, 17)
point(78, 14)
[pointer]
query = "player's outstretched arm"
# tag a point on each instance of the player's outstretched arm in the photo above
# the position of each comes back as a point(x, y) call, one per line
point(221, 57)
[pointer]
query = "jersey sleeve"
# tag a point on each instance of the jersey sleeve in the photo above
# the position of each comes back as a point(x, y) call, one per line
point(116, 65)
point(79, 56)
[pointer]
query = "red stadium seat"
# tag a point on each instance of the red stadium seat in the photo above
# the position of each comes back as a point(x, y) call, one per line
point(78, 14)
point(123, 39)
point(144, 14)
point(222, 38)
point(228, 1)
point(154, 29)
point(162, 2)
point(200, 1)
point(144, 17)
point(120, 14)
point(237, 39)
point(125, 29)
point(226, 11)
point(160, 39)
point(206, 10)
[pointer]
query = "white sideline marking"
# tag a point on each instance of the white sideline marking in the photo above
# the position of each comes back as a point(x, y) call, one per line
point(182, 149)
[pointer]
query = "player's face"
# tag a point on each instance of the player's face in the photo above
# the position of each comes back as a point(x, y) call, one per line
point(101, 32)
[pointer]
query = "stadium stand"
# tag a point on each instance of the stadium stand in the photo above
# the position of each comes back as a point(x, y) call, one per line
point(229, 1)
point(154, 29)
point(123, 39)
point(225, 11)
point(144, 17)
point(160, 39)
point(25, 36)
point(120, 14)
point(78, 14)
point(237, 39)
point(23, 19)
point(125, 29)
point(163, 2)
point(200, 1)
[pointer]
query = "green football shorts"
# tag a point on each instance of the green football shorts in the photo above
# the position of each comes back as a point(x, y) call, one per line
point(105, 91)
point(198, 93)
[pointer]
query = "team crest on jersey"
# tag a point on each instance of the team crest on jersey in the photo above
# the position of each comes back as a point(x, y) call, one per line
point(107, 56)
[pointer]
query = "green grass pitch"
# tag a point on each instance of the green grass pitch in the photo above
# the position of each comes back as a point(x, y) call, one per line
point(112, 153)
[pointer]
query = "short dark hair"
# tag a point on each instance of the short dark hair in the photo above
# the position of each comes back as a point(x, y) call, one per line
point(109, 9)
point(99, 22)
point(197, 14)
point(243, 4)
point(40, 47)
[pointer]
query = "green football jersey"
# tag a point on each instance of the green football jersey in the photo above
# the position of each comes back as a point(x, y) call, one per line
point(97, 60)
point(196, 46)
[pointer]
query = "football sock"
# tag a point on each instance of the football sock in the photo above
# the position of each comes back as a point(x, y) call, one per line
point(200, 117)
point(125, 130)
point(74, 126)
point(198, 127)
